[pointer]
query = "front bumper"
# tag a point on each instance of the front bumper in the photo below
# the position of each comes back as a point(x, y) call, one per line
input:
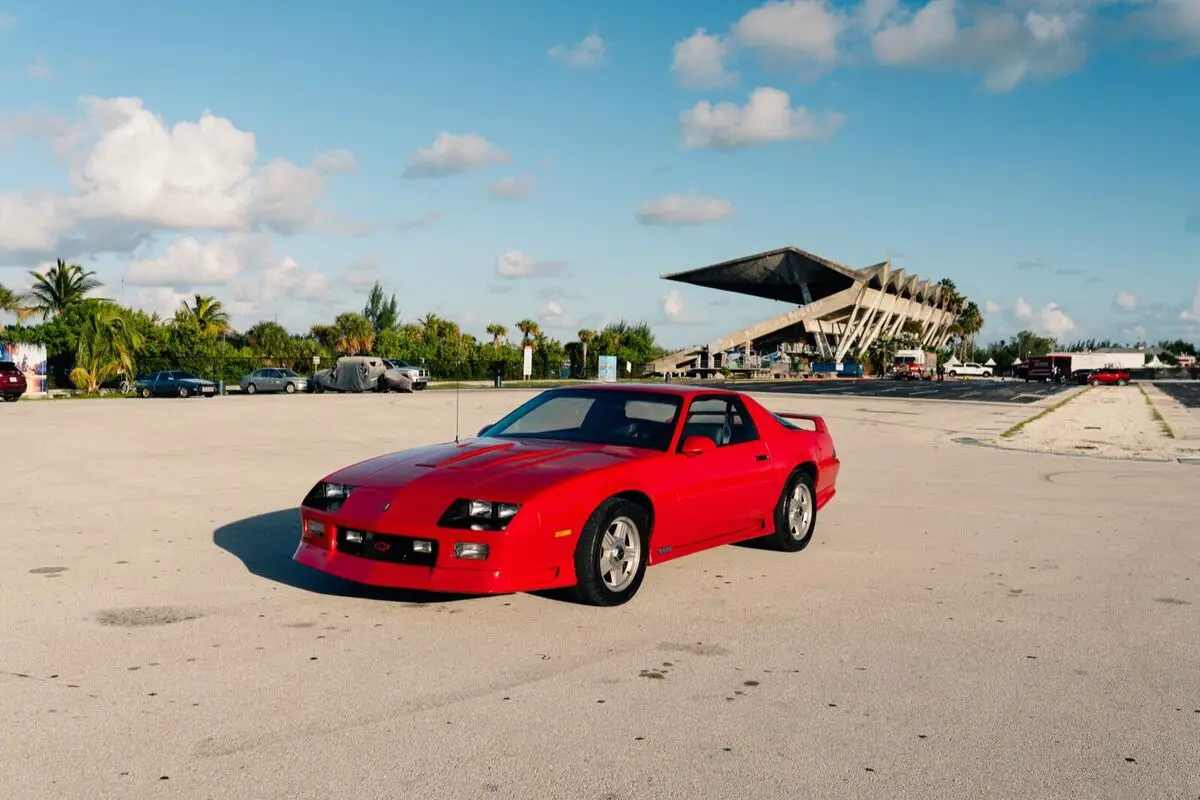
point(506, 569)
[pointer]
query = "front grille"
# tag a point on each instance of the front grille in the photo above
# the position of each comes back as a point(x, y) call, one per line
point(386, 547)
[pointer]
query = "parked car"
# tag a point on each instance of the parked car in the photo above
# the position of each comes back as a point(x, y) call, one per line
point(579, 487)
point(419, 376)
point(970, 369)
point(1109, 376)
point(1081, 375)
point(12, 382)
point(360, 374)
point(273, 379)
point(174, 383)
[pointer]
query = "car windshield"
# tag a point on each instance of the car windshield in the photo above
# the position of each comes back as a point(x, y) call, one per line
point(595, 416)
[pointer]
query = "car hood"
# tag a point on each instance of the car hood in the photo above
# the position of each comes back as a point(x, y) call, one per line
point(502, 469)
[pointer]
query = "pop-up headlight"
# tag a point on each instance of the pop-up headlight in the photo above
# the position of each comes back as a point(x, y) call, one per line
point(327, 497)
point(478, 515)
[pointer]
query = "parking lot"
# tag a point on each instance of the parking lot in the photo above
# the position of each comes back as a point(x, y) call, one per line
point(968, 622)
point(1186, 392)
point(975, 389)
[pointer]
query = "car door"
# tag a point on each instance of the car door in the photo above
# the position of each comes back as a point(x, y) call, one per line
point(720, 492)
point(164, 384)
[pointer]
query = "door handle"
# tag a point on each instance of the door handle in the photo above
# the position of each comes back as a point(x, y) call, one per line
point(761, 457)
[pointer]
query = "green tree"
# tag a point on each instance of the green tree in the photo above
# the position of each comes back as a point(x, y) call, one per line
point(61, 287)
point(383, 313)
point(207, 316)
point(107, 346)
point(354, 334)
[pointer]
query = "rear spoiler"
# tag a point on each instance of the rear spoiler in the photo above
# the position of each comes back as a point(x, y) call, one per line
point(817, 420)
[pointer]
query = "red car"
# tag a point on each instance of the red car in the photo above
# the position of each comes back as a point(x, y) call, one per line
point(1110, 376)
point(12, 382)
point(579, 487)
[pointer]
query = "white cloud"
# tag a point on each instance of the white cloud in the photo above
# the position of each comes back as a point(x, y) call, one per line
point(361, 273)
point(513, 188)
point(699, 60)
point(1173, 21)
point(991, 306)
point(454, 153)
point(1125, 300)
point(31, 222)
point(1006, 44)
point(40, 69)
point(588, 53)
point(680, 209)
point(1192, 314)
point(286, 280)
point(187, 262)
point(332, 161)
point(793, 30)
point(160, 300)
point(1137, 333)
point(768, 116)
point(674, 310)
point(1049, 320)
point(552, 314)
point(131, 172)
point(426, 219)
point(515, 264)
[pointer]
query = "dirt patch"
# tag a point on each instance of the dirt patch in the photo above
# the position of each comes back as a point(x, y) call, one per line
point(47, 570)
point(146, 616)
point(697, 649)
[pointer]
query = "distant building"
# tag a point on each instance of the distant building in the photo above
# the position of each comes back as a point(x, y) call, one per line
point(840, 311)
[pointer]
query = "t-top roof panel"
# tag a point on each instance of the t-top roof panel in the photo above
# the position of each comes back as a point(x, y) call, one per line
point(774, 275)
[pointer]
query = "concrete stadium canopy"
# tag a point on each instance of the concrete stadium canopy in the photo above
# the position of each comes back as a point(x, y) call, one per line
point(839, 309)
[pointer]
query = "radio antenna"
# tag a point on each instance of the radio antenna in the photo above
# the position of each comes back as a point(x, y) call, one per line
point(457, 392)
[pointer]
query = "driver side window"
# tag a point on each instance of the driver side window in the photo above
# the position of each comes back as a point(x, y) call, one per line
point(722, 419)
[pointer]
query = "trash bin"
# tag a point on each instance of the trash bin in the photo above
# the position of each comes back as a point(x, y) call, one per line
point(220, 387)
point(498, 377)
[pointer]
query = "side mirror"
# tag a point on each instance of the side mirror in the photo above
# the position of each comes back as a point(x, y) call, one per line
point(697, 445)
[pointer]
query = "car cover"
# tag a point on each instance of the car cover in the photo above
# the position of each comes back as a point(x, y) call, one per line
point(362, 374)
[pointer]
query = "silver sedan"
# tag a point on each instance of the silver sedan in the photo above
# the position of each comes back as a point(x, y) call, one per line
point(273, 379)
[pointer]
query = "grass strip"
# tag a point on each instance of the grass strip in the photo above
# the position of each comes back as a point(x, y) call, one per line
point(1162, 423)
point(1015, 429)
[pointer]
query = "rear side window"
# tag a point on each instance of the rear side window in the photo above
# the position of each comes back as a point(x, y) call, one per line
point(7, 366)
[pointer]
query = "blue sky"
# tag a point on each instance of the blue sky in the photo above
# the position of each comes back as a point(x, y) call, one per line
point(1041, 153)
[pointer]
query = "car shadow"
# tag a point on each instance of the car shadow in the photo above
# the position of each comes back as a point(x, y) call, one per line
point(265, 544)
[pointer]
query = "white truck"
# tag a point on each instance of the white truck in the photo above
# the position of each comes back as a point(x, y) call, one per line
point(971, 369)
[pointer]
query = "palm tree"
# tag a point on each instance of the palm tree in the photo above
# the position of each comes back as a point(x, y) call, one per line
point(586, 337)
point(106, 348)
point(529, 330)
point(62, 286)
point(355, 334)
point(497, 332)
point(13, 303)
point(208, 315)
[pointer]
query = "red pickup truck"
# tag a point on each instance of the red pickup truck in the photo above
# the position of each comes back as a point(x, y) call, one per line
point(12, 382)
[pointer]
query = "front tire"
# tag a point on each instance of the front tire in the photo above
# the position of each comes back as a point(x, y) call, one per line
point(251, 388)
point(612, 553)
point(795, 513)
point(290, 388)
point(183, 391)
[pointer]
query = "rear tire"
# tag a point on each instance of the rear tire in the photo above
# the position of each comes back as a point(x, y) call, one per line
point(11, 398)
point(612, 553)
point(795, 513)
point(145, 393)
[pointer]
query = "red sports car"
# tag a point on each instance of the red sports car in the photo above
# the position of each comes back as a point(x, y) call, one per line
point(579, 487)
